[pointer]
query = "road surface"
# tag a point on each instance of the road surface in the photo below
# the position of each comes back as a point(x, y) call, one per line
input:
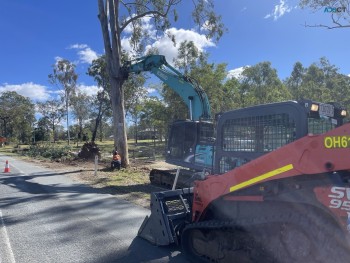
point(46, 217)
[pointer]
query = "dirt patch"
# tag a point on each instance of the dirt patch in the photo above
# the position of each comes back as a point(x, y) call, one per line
point(131, 184)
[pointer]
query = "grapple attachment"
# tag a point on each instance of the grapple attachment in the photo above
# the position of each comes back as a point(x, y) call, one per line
point(169, 211)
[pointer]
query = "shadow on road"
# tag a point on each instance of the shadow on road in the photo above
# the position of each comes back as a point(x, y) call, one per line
point(105, 225)
point(141, 250)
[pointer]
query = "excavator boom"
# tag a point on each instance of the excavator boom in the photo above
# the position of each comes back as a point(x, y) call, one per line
point(186, 146)
point(192, 94)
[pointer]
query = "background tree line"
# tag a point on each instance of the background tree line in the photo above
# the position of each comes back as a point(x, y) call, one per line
point(151, 115)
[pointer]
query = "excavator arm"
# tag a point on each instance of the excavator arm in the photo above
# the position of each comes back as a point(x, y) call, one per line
point(191, 93)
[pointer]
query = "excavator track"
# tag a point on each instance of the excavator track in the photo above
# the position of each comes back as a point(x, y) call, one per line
point(282, 238)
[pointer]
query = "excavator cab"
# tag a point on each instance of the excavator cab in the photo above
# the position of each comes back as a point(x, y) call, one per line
point(190, 144)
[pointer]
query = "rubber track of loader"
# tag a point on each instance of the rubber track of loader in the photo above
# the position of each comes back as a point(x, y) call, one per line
point(258, 240)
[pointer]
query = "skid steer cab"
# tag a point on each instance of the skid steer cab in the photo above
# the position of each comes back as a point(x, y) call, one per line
point(279, 189)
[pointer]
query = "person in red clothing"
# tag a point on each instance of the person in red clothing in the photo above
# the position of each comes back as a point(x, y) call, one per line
point(116, 162)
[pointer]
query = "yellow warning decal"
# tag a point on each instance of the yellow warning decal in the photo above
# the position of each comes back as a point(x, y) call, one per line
point(262, 177)
point(331, 142)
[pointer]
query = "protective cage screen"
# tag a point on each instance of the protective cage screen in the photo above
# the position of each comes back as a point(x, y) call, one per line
point(321, 125)
point(258, 133)
point(254, 134)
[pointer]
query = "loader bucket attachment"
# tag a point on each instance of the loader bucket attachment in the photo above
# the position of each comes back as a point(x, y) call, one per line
point(169, 211)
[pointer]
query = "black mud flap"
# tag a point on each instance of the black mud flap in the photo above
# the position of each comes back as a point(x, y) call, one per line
point(169, 212)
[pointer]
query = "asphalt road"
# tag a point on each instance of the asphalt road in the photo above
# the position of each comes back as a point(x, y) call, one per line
point(46, 217)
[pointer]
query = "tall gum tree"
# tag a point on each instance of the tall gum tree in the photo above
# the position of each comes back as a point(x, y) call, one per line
point(64, 77)
point(116, 16)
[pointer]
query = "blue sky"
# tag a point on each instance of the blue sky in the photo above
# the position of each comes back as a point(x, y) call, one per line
point(34, 34)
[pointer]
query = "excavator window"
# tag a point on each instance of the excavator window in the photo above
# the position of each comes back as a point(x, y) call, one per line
point(182, 141)
point(176, 140)
point(191, 144)
point(206, 132)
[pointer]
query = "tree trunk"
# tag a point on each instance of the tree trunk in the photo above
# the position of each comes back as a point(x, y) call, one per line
point(119, 131)
point(101, 128)
point(54, 132)
point(97, 123)
point(68, 134)
point(112, 46)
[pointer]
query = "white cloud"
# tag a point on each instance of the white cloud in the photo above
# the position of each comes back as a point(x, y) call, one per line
point(163, 43)
point(237, 72)
point(146, 25)
point(35, 92)
point(78, 46)
point(85, 53)
point(151, 90)
point(166, 46)
point(88, 90)
point(280, 10)
point(126, 45)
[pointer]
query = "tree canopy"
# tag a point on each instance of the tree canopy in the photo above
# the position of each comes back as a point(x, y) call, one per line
point(65, 77)
point(17, 113)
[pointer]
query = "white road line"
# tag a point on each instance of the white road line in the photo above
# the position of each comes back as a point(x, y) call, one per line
point(9, 256)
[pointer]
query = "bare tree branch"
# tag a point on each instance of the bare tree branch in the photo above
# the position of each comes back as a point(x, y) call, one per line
point(325, 26)
point(340, 17)
point(150, 13)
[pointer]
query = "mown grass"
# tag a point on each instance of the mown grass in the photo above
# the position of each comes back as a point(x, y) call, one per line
point(132, 183)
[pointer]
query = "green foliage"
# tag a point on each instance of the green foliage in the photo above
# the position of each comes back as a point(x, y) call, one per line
point(17, 114)
point(176, 108)
point(211, 78)
point(204, 14)
point(187, 56)
point(43, 130)
point(98, 70)
point(321, 81)
point(49, 151)
point(162, 15)
point(52, 111)
point(295, 80)
point(81, 108)
point(133, 87)
point(154, 116)
point(261, 85)
point(65, 77)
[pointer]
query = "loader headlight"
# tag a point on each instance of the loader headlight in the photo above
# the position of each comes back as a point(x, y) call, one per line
point(314, 107)
point(343, 113)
